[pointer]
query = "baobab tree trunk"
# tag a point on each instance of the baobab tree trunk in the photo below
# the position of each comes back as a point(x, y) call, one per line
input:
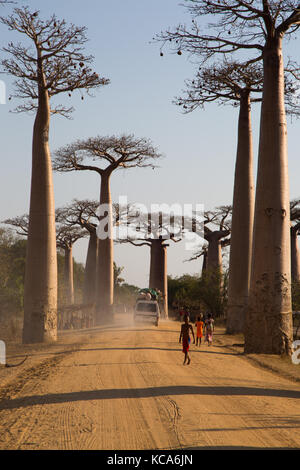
point(89, 287)
point(204, 264)
point(68, 276)
point(214, 262)
point(155, 252)
point(295, 255)
point(158, 271)
point(269, 320)
point(105, 267)
point(214, 254)
point(242, 223)
point(40, 291)
point(164, 280)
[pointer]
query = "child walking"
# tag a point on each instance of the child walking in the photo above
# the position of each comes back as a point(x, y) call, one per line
point(186, 328)
point(199, 325)
point(209, 328)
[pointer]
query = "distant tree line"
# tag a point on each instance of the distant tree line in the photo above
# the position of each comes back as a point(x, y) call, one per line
point(12, 276)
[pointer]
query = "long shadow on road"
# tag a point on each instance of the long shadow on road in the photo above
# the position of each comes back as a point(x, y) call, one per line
point(149, 392)
point(127, 348)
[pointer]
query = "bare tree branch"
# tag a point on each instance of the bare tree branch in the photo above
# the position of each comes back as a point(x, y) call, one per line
point(56, 53)
point(21, 223)
point(237, 25)
point(224, 82)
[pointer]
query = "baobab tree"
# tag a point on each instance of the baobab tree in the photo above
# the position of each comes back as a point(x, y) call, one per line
point(258, 27)
point(154, 231)
point(239, 84)
point(66, 236)
point(217, 227)
point(82, 213)
point(52, 63)
point(110, 153)
point(230, 82)
point(220, 228)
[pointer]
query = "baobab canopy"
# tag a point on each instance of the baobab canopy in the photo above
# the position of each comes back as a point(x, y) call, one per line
point(54, 60)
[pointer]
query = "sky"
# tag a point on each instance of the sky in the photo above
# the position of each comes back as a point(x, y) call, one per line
point(198, 148)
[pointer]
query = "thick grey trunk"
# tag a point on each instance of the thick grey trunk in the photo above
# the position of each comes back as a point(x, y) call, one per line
point(269, 321)
point(154, 255)
point(214, 254)
point(158, 271)
point(89, 288)
point(164, 280)
point(68, 277)
point(295, 256)
point(242, 223)
point(214, 263)
point(40, 291)
point(105, 267)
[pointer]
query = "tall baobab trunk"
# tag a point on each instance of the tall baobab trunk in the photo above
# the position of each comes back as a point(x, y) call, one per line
point(295, 254)
point(68, 276)
point(269, 320)
point(40, 292)
point(89, 287)
point(242, 223)
point(105, 266)
point(158, 271)
point(214, 253)
point(164, 279)
point(155, 250)
point(214, 261)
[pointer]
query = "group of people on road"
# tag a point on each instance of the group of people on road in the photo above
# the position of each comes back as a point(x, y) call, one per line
point(202, 326)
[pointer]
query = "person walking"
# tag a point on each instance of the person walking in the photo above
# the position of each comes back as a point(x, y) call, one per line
point(186, 329)
point(209, 329)
point(199, 325)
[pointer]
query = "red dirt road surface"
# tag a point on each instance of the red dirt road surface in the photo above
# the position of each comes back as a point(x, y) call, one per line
point(125, 387)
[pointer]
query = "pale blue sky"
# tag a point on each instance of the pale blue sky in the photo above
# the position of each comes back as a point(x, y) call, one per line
point(199, 148)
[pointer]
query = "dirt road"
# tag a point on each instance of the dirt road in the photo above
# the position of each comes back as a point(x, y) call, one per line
point(125, 387)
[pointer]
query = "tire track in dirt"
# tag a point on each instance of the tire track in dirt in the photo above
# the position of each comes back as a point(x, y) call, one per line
point(20, 423)
point(119, 371)
point(167, 407)
point(247, 417)
point(127, 389)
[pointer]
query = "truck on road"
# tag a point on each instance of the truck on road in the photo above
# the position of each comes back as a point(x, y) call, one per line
point(147, 309)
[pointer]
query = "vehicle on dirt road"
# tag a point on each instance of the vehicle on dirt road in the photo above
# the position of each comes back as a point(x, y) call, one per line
point(147, 311)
